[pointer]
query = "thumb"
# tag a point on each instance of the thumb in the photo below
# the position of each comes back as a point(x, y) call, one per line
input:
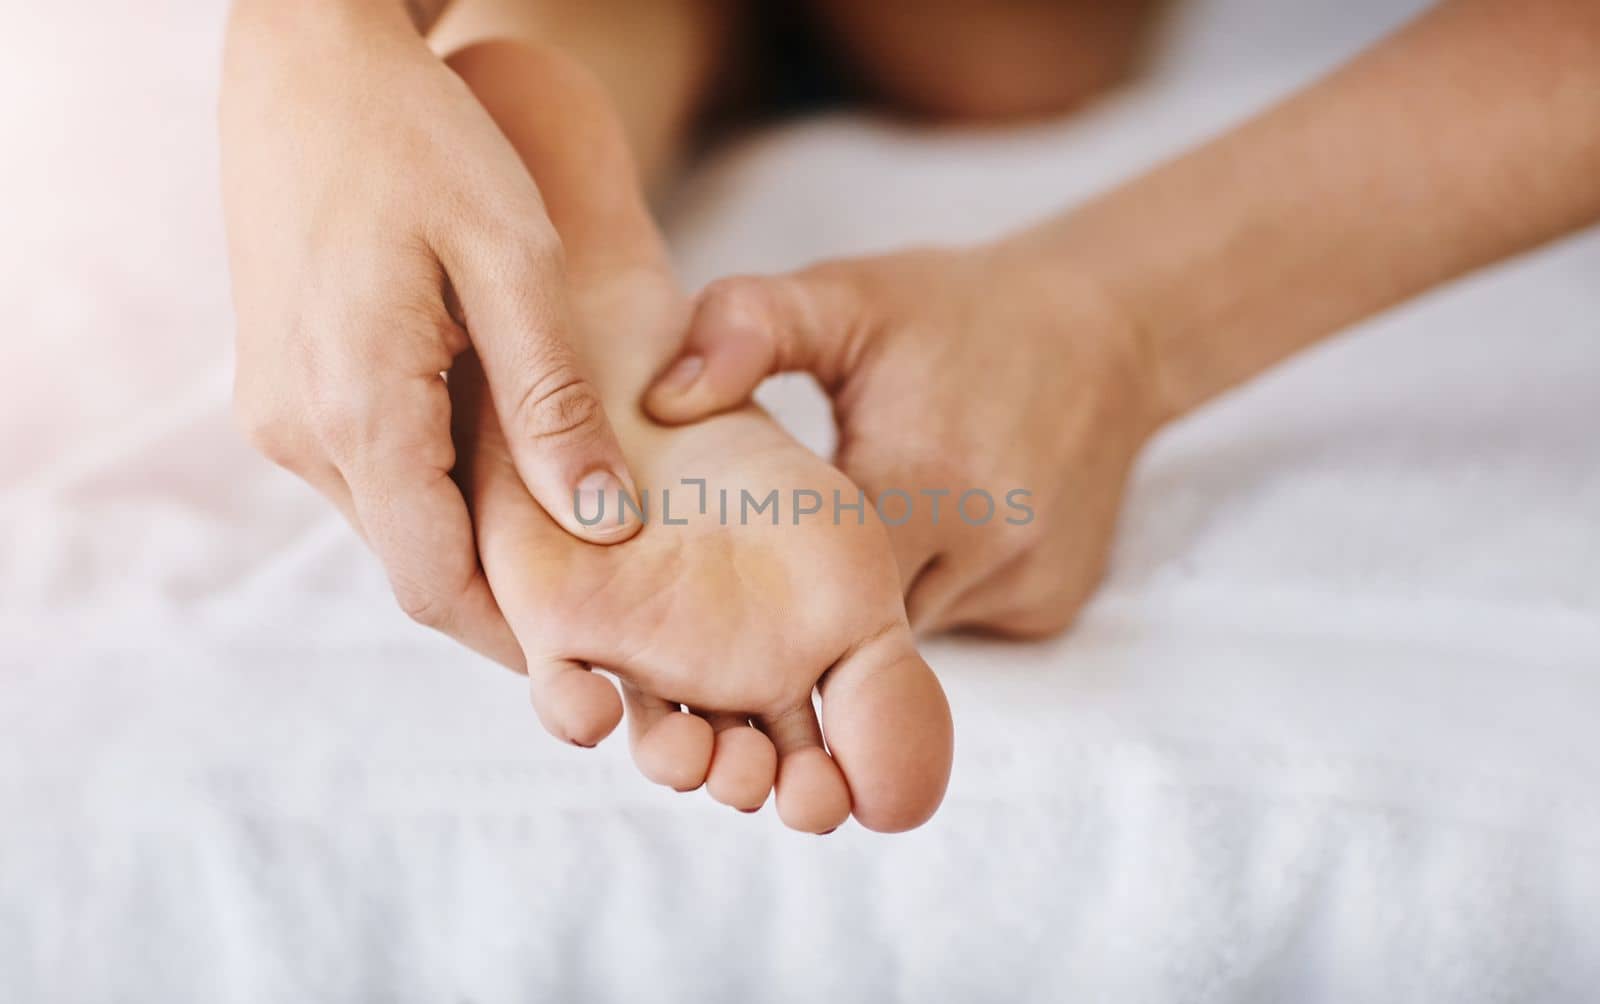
point(748, 328)
point(512, 299)
point(563, 445)
point(554, 423)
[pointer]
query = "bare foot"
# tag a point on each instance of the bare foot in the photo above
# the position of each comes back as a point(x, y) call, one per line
point(738, 618)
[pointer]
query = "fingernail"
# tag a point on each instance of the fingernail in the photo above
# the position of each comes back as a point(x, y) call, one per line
point(598, 483)
point(826, 832)
point(682, 375)
point(598, 505)
point(582, 746)
point(749, 811)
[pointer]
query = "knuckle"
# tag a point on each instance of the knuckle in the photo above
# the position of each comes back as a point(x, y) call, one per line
point(560, 406)
point(1025, 538)
point(740, 303)
point(1039, 621)
point(530, 247)
point(940, 467)
point(735, 291)
point(336, 415)
point(1056, 617)
point(267, 430)
point(418, 334)
point(424, 606)
point(1048, 604)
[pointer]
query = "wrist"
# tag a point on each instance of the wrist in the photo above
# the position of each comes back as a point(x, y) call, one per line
point(1201, 310)
point(283, 59)
point(1149, 307)
point(1081, 300)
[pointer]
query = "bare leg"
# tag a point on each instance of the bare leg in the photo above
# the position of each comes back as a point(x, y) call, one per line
point(656, 60)
point(980, 60)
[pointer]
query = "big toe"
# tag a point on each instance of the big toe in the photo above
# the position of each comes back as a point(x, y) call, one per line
point(889, 729)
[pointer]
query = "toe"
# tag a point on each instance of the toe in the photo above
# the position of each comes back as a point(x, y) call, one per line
point(812, 795)
point(575, 705)
point(670, 746)
point(743, 764)
point(889, 729)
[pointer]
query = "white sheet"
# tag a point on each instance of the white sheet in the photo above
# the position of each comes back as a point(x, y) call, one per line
point(1327, 734)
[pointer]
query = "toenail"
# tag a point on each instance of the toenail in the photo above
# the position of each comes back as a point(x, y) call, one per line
point(748, 811)
point(826, 832)
point(685, 791)
point(582, 746)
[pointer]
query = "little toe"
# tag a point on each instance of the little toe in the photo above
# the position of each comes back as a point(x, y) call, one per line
point(812, 794)
point(574, 704)
point(670, 746)
point(743, 764)
point(889, 729)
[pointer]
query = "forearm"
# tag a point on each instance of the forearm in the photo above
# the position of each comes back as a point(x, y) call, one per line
point(1469, 136)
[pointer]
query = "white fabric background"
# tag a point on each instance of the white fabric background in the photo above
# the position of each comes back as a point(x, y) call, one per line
point(1327, 735)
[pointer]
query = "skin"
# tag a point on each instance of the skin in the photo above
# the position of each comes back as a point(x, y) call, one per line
point(379, 225)
point(1468, 136)
point(739, 622)
point(898, 342)
point(980, 61)
point(1123, 315)
point(360, 279)
point(658, 61)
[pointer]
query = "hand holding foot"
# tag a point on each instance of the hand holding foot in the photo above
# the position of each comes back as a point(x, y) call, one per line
point(739, 620)
point(365, 260)
point(1025, 362)
point(949, 371)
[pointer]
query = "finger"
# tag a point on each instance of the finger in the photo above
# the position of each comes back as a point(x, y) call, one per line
point(812, 794)
point(574, 704)
point(329, 483)
point(937, 586)
point(514, 306)
point(889, 730)
point(296, 448)
point(747, 328)
point(1021, 600)
point(948, 606)
point(395, 454)
point(961, 563)
point(479, 631)
point(918, 540)
point(670, 746)
point(1011, 623)
point(743, 763)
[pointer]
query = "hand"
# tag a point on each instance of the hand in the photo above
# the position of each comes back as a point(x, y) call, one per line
point(741, 620)
point(950, 371)
point(713, 607)
point(378, 222)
